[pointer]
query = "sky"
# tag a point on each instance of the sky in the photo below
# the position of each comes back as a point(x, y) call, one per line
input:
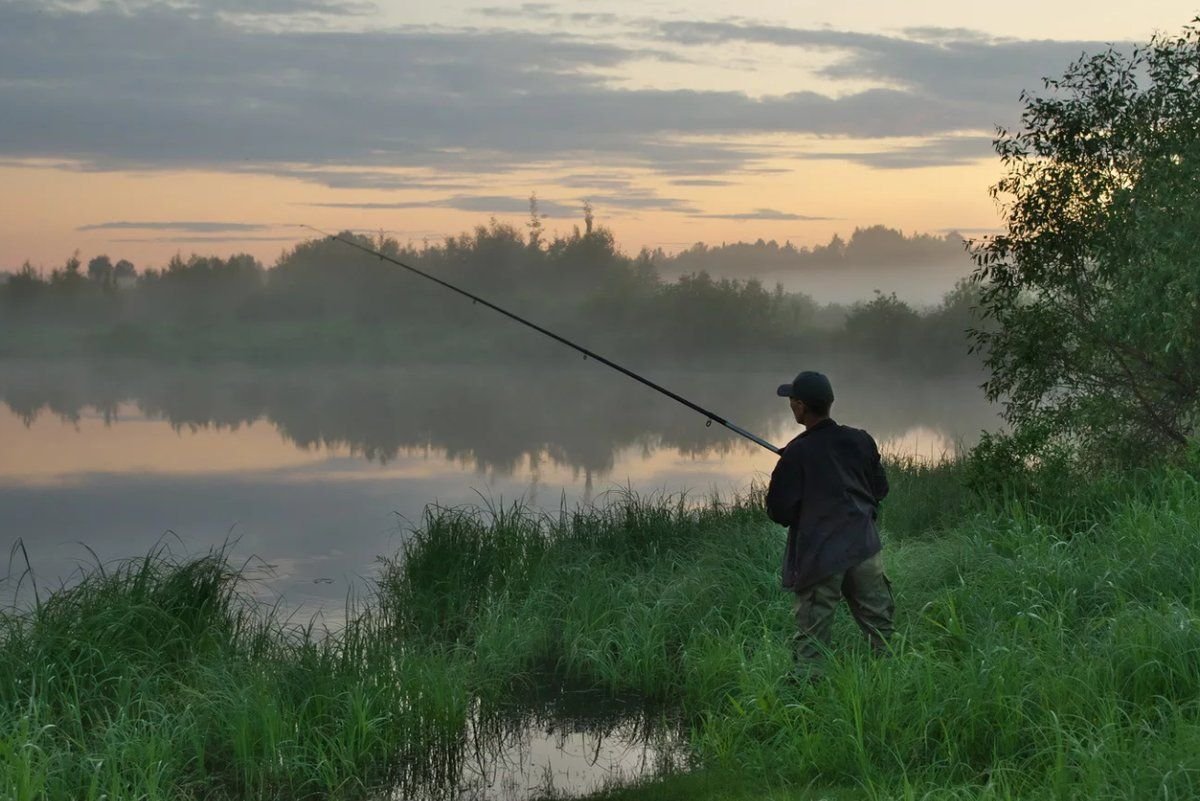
point(144, 129)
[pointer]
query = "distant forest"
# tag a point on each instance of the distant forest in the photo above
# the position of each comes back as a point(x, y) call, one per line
point(325, 301)
point(874, 246)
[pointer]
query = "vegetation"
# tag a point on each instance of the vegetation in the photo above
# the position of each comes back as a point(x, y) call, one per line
point(873, 246)
point(1049, 649)
point(323, 301)
point(1092, 291)
point(1049, 633)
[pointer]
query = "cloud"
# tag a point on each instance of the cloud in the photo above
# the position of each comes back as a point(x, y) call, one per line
point(640, 201)
point(343, 178)
point(546, 12)
point(289, 7)
point(521, 11)
point(596, 181)
point(176, 225)
point(939, 152)
point(631, 199)
point(209, 8)
point(503, 204)
point(761, 214)
point(204, 238)
point(701, 182)
point(224, 95)
point(487, 204)
point(952, 64)
point(358, 108)
point(930, 33)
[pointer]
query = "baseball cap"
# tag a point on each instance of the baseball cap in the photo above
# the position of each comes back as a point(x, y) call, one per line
point(809, 386)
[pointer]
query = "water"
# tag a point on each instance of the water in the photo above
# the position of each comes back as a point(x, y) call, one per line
point(315, 471)
point(560, 740)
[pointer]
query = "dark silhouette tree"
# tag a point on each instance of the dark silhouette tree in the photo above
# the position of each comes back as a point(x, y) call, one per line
point(535, 225)
point(68, 280)
point(123, 271)
point(23, 287)
point(100, 269)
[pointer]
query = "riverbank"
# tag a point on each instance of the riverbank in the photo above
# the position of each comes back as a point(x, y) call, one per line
point(1050, 648)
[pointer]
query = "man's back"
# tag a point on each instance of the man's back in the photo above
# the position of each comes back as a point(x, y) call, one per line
point(826, 488)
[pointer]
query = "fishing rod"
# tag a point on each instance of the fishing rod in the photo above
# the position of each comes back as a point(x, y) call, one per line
point(713, 417)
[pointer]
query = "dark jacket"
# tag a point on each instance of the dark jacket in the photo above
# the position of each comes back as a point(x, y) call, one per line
point(826, 489)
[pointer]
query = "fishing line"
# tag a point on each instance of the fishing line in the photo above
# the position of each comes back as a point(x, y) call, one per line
point(713, 417)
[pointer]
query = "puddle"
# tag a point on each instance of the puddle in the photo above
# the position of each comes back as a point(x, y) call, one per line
point(575, 744)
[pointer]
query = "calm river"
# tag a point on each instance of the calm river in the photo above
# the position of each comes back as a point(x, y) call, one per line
point(315, 471)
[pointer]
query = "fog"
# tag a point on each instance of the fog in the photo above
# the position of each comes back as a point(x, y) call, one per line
point(919, 269)
point(326, 301)
point(313, 408)
point(319, 469)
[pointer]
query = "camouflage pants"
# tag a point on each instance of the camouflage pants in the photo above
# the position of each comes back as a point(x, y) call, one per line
point(868, 593)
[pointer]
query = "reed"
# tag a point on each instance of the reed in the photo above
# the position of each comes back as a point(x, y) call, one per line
point(1049, 647)
point(157, 678)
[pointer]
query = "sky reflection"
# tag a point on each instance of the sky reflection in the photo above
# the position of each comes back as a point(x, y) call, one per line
point(316, 483)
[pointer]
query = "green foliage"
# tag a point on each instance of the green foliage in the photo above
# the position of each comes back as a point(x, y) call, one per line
point(157, 679)
point(1049, 645)
point(199, 288)
point(927, 499)
point(1093, 290)
point(878, 326)
point(323, 300)
point(23, 287)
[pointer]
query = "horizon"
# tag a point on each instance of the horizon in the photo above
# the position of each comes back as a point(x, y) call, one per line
point(219, 250)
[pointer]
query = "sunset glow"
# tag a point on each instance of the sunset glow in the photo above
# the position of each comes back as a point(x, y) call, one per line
point(678, 123)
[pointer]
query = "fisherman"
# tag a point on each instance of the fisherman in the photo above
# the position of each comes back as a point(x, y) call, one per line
point(826, 489)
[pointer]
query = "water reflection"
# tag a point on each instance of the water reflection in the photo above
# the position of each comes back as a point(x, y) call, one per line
point(497, 419)
point(564, 742)
point(317, 471)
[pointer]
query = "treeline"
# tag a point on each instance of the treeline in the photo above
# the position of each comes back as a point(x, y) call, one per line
point(325, 300)
point(873, 246)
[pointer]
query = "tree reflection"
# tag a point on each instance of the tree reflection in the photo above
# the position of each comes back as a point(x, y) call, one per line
point(496, 417)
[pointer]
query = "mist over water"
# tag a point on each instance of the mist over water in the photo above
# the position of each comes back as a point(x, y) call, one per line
point(318, 470)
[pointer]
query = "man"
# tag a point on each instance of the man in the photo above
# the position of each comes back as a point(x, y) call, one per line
point(826, 489)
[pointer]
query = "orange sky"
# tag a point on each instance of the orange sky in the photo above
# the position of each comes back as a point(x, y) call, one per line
point(55, 202)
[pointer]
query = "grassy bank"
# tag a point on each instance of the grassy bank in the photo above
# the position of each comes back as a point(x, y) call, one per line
point(1050, 648)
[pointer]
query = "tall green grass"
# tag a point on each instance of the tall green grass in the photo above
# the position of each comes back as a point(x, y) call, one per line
point(1049, 633)
point(1048, 647)
point(157, 679)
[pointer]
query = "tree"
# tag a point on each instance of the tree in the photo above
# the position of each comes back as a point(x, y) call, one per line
point(23, 286)
point(124, 271)
point(100, 269)
point(535, 224)
point(101, 272)
point(68, 280)
point(1093, 292)
point(886, 327)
